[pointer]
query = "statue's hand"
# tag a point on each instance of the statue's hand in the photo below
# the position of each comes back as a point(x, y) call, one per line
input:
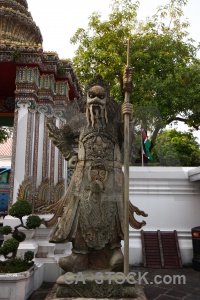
point(127, 108)
point(72, 162)
point(53, 131)
point(50, 124)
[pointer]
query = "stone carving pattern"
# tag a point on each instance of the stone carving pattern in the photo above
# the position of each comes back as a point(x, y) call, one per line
point(29, 145)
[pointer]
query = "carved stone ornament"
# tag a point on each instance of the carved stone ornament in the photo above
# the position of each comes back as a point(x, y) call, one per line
point(24, 190)
point(43, 194)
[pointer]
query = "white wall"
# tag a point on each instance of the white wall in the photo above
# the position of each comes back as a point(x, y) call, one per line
point(5, 161)
point(171, 201)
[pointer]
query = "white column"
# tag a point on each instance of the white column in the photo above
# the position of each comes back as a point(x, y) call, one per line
point(40, 150)
point(20, 148)
point(49, 158)
point(65, 174)
point(56, 158)
point(33, 144)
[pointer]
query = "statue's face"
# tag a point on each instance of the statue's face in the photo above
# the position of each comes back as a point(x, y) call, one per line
point(96, 105)
point(96, 95)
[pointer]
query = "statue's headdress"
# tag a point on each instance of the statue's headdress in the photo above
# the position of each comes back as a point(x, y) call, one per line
point(98, 80)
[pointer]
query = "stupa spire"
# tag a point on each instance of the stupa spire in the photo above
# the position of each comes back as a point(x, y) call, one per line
point(22, 2)
point(17, 27)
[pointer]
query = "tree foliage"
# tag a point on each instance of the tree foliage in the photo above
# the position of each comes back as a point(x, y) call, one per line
point(20, 209)
point(175, 148)
point(165, 67)
point(5, 133)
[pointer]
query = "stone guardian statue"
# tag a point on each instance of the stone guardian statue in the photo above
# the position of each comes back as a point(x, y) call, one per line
point(91, 211)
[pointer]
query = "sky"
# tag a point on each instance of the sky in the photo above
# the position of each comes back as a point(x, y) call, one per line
point(58, 21)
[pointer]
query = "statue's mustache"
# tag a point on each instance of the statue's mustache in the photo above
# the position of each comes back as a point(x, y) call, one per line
point(94, 112)
point(95, 101)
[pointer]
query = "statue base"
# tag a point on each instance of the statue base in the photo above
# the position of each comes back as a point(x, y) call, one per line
point(96, 284)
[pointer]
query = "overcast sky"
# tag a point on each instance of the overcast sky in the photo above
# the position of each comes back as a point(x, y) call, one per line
point(58, 21)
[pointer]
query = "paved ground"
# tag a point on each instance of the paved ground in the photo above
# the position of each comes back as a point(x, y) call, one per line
point(158, 284)
point(172, 284)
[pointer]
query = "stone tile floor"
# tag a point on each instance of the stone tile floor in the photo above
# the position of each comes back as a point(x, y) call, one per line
point(158, 284)
point(166, 284)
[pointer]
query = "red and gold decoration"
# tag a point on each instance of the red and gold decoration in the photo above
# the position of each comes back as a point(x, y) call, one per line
point(34, 86)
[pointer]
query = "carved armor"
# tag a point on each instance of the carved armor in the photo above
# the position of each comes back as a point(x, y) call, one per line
point(96, 190)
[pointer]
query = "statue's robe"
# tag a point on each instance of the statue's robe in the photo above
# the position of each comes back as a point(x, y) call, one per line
point(93, 202)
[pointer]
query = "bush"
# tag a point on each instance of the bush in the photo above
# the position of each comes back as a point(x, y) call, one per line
point(9, 247)
point(15, 265)
point(19, 236)
point(33, 222)
point(28, 256)
point(20, 209)
point(5, 230)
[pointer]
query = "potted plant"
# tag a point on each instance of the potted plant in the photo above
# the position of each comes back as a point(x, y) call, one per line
point(17, 273)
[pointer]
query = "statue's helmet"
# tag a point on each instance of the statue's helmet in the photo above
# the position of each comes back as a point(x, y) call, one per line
point(98, 81)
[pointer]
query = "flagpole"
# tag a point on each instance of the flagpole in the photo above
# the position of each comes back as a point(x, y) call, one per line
point(126, 170)
point(142, 150)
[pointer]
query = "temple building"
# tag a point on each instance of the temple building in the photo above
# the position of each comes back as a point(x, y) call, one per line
point(34, 87)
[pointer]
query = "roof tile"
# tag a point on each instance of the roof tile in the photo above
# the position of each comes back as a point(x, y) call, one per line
point(6, 148)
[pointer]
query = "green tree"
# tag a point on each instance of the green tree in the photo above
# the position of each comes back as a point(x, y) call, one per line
point(5, 133)
point(176, 148)
point(165, 67)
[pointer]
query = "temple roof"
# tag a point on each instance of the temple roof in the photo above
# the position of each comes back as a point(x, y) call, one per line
point(22, 2)
point(6, 148)
point(17, 27)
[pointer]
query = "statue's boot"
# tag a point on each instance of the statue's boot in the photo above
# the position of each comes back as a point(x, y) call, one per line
point(117, 260)
point(74, 262)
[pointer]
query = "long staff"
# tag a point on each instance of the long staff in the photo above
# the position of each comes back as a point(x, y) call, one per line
point(126, 174)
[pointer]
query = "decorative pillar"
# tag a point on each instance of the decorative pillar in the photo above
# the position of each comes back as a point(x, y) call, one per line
point(20, 155)
point(40, 149)
point(56, 159)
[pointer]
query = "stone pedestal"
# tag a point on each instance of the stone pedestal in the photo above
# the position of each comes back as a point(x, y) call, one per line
point(96, 284)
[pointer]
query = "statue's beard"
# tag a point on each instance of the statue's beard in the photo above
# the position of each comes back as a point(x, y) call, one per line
point(96, 116)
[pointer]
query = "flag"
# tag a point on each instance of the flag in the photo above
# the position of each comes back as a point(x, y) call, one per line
point(146, 145)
